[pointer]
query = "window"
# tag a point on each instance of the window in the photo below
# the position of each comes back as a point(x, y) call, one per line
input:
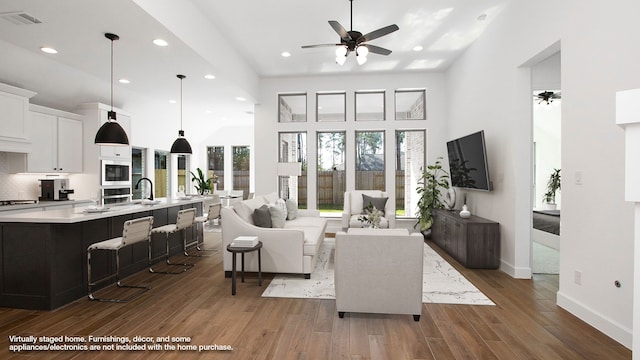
point(161, 168)
point(331, 171)
point(410, 105)
point(331, 106)
point(183, 176)
point(215, 165)
point(292, 108)
point(241, 167)
point(370, 160)
point(370, 105)
point(293, 149)
point(410, 161)
point(138, 165)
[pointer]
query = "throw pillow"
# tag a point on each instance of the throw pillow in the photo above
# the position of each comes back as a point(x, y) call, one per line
point(292, 209)
point(378, 202)
point(282, 205)
point(278, 216)
point(262, 217)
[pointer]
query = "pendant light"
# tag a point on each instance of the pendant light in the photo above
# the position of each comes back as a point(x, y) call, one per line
point(181, 145)
point(111, 133)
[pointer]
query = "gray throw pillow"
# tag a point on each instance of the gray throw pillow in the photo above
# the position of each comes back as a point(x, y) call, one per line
point(278, 216)
point(262, 217)
point(378, 202)
point(292, 209)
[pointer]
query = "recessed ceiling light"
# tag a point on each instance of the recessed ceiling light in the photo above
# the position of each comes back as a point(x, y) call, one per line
point(160, 42)
point(240, 98)
point(124, 81)
point(482, 17)
point(286, 54)
point(49, 50)
point(209, 76)
point(172, 101)
point(417, 48)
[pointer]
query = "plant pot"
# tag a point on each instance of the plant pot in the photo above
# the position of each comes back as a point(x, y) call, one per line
point(426, 234)
point(550, 206)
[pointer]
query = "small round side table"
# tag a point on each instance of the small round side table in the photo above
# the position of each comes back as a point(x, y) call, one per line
point(234, 250)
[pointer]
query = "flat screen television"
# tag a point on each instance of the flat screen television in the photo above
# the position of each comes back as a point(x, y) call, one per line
point(468, 162)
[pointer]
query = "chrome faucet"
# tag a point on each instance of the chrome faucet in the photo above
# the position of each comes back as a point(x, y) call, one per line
point(150, 183)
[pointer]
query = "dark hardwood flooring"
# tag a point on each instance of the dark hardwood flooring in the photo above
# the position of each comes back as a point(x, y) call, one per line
point(524, 324)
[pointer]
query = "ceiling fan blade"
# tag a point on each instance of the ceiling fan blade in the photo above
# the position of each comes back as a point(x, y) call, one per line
point(378, 33)
point(318, 45)
point(378, 50)
point(344, 35)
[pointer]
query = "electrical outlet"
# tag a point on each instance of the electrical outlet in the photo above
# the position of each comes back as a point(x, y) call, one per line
point(577, 277)
point(578, 177)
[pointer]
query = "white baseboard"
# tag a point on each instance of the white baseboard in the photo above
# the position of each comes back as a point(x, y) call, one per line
point(614, 330)
point(515, 272)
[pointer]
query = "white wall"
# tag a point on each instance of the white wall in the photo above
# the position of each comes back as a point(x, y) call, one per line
point(597, 223)
point(267, 126)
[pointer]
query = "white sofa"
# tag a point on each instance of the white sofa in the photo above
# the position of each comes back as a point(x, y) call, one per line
point(379, 271)
point(291, 249)
point(353, 207)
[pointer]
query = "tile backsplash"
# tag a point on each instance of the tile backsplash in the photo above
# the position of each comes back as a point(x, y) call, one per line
point(19, 186)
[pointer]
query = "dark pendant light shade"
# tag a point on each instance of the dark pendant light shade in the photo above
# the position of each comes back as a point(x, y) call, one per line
point(181, 145)
point(111, 133)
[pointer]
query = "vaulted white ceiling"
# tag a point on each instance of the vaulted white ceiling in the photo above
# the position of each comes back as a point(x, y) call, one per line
point(237, 41)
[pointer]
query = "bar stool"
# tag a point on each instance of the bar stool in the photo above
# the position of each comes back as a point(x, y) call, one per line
point(134, 231)
point(185, 220)
point(212, 214)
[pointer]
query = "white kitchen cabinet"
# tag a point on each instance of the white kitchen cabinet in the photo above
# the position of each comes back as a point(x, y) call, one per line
point(57, 142)
point(14, 127)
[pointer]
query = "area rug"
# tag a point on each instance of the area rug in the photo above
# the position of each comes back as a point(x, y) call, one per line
point(441, 282)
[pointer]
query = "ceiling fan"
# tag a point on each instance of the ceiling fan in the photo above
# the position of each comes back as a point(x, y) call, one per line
point(547, 97)
point(354, 41)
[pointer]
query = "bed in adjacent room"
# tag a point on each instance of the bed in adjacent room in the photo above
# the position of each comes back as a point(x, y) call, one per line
point(546, 227)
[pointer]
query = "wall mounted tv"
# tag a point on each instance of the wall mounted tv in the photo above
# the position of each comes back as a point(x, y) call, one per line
point(468, 162)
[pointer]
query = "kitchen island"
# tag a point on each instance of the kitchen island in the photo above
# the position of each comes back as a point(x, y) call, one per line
point(43, 254)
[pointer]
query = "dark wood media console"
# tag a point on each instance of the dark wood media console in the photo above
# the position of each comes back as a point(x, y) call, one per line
point(474, 242)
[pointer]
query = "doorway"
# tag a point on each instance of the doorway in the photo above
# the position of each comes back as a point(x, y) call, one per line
point(547, 120)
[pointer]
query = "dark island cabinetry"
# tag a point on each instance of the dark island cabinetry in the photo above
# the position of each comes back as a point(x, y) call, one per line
point(474, 242)
point(44, 265)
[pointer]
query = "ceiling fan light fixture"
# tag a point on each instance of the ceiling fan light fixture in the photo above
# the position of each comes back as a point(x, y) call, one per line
point(111, 133)
point(341, 59)
point(341, 51)
point(181, 145)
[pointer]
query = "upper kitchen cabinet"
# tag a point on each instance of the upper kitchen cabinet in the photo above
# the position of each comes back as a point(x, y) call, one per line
point(14, 128)
point(57, 141)
point(95, 116)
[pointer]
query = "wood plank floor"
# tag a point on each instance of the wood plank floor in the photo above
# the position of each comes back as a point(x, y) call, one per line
point(524, 324)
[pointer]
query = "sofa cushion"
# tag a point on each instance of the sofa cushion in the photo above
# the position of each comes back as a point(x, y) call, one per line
point(271, 198)
point(306, 221)
point(282, 205)
point(245, 208)
point(262, 216)
point(312, 239)
point(278, 216)
point(356, 199)
point(292, 209)
point(378, 202)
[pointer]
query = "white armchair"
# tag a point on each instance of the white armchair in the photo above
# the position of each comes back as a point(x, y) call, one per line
point(379, 271)
point(354, 205)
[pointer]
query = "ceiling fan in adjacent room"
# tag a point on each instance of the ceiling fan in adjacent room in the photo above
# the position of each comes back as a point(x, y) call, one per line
point(547, 97)
point(354, 41)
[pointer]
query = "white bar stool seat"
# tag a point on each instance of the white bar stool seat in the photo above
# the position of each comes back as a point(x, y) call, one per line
point(184, 221)
point(134, 231)
point(211, 215)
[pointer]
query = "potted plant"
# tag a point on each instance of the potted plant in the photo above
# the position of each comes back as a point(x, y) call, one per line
point(553, 185)
point(432, 181)
point(202, 184)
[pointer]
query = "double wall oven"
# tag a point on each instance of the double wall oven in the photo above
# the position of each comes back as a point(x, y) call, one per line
point(115, 182)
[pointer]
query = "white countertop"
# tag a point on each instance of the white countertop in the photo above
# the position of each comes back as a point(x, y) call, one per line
point(79, 213)
point(43, 204)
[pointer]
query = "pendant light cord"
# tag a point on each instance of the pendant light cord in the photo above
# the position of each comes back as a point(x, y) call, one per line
point(181, 103)
point(111, 75)
point(351, 1)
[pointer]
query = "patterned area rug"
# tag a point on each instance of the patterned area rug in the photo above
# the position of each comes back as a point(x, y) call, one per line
point(441, 282)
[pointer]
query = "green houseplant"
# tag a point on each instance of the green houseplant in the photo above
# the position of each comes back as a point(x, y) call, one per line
point(432, 181)
point(553, 185)
point(202, 184)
